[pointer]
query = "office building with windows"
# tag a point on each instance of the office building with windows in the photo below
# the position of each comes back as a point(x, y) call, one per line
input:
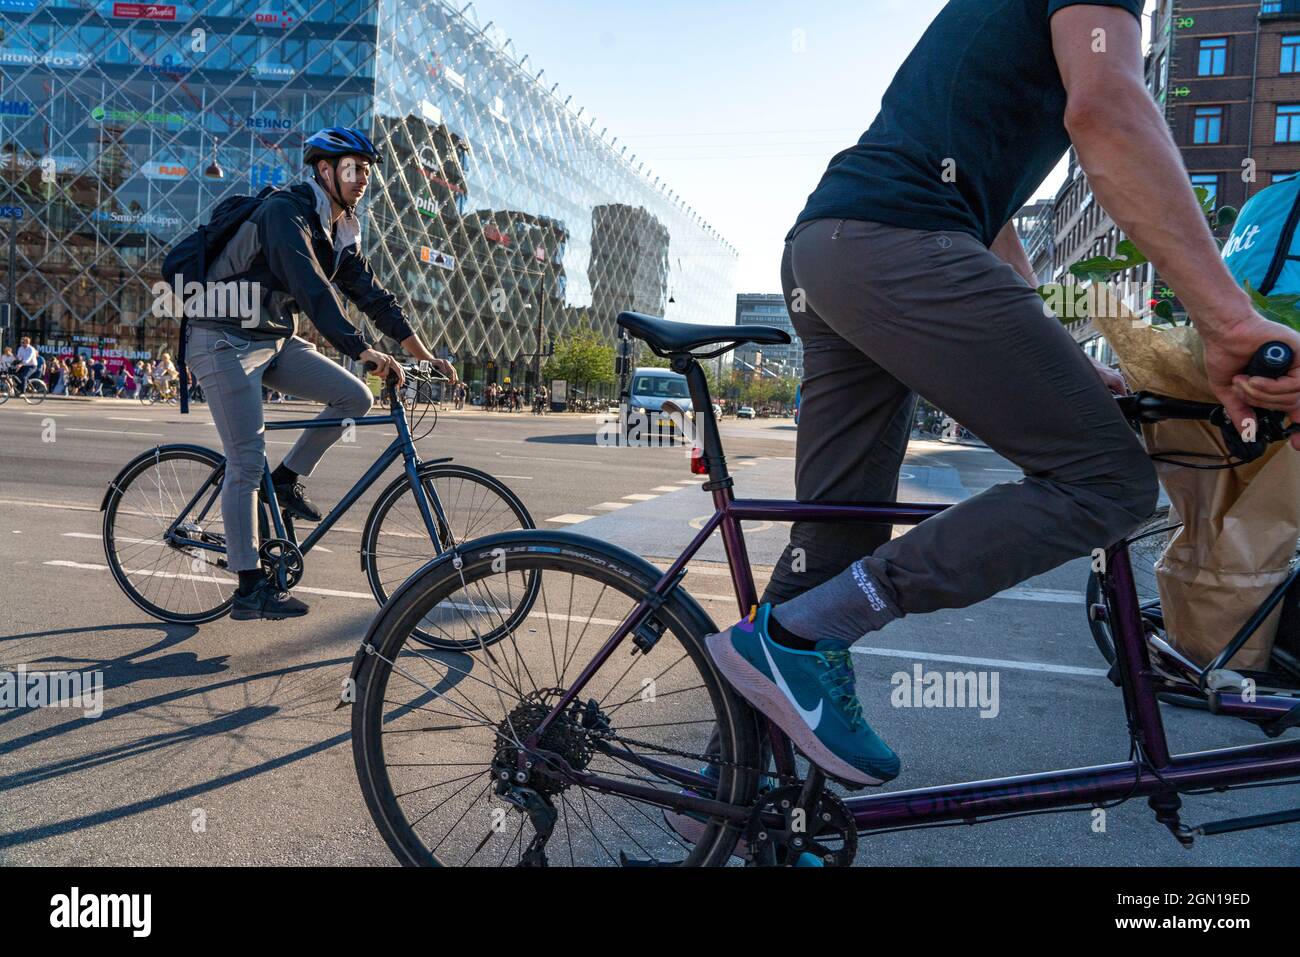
point(503, 216)
point(768, 309)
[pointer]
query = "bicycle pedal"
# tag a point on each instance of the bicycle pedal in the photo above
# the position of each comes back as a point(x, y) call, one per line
point(625, 861)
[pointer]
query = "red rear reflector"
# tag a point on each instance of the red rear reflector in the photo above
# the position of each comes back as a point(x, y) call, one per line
point(697, 462)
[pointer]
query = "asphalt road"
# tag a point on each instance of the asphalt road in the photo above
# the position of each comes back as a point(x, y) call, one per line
point(221, 745)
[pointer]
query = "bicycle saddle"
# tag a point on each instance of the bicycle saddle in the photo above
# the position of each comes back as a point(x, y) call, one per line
point(667, 338)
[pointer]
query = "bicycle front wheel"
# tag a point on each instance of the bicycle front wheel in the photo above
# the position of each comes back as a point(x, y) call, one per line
point(170, 581)
point(396, 542)
point(35, 392)
point(1145, 547)
point(438, 736)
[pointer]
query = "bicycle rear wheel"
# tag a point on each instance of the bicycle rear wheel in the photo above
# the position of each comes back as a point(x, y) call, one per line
point(395, 541)
point(434, 732)
point(183, 585)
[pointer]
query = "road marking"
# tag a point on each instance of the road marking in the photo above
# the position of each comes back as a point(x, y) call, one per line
point(570, 519)
point(69, 506)
point(1042, 594)
point(698, 481)
point(57, 415)
point(982, 662)
point(640, 497)
point(151, 435)
point(610, 506)
point(534, 458)
point(666, 488)
point(515, 478)
point(502, 441)
point(155, 541)
point(128, 418)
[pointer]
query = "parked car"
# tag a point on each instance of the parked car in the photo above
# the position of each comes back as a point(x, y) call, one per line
point(746, 412)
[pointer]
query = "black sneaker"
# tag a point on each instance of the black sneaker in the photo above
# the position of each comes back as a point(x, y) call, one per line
point(293, 499)
point(267, 601)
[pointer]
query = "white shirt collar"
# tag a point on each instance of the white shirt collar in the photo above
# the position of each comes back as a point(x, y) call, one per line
point(349, 227)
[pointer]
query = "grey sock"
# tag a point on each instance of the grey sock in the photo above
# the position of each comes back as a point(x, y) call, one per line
point(843, 609)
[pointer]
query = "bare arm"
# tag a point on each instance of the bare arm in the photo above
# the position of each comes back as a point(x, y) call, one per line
point(1137, 174)
point(1011, 251)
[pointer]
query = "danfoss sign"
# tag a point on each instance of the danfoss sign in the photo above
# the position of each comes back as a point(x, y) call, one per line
point(144, 11)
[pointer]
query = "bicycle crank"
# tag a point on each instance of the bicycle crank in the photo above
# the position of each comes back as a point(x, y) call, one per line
point(283, 561)
point(803, 829)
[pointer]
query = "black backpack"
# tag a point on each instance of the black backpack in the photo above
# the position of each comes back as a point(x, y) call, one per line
point(189, 259)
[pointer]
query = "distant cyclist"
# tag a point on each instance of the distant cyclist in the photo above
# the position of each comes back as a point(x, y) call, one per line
point(299, 245)
point(904, 275)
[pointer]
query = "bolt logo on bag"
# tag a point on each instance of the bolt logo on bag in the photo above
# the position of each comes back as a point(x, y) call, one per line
point(1262, 248)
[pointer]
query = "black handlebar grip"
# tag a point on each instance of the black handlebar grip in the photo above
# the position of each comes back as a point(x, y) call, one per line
point(1272, 361)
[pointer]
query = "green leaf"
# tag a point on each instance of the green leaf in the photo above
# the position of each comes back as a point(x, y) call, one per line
point(1205, 199)
point(1278, 308)
point(1164, 309)
point(1132, 255)
point(1226, 216)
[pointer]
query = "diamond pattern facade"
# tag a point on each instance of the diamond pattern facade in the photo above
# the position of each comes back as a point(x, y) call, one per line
point(501, 211)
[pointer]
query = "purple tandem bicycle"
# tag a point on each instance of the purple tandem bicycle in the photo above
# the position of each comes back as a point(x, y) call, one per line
point(577, 735)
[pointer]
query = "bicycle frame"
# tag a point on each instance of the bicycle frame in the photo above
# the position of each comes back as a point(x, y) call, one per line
point(1155, 776)
point(402, 447)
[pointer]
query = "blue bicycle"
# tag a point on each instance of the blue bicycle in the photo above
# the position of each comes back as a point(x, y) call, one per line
point(166, 546)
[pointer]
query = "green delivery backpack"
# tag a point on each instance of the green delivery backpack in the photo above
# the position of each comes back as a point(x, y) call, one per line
point(1262, 249)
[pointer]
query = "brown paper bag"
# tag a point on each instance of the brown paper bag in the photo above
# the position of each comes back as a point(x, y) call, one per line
point(1240, 525)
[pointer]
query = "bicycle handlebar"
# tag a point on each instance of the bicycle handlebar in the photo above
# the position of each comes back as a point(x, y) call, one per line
point(1272, 361)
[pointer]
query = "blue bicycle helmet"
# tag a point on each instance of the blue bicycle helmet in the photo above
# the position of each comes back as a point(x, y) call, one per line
point(335, 141)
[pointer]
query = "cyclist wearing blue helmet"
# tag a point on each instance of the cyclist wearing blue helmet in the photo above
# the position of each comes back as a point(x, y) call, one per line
point(302, 246)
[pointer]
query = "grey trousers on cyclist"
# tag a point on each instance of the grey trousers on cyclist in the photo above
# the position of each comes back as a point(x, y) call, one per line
point(885, 313)
point(232, 370)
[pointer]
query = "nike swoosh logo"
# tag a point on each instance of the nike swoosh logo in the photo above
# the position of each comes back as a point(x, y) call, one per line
point(812, 717)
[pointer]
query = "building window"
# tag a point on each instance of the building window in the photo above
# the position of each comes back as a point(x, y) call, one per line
point(1208, 182)
point(1208, 125)
point(1213, 59)
point(1288, 123)
point(1291, 54)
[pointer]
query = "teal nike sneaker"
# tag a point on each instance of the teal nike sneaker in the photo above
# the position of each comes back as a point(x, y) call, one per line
point(809, 694)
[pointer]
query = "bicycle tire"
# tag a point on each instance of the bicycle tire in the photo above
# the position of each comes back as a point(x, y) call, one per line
point(378, 720)
point(35, 391)
point(214, 599)
point(384, 577)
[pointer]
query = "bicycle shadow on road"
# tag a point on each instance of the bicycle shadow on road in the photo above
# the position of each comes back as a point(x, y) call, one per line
point(242, 719)
point(120, 671)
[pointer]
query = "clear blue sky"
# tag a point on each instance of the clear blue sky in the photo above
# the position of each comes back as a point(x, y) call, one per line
point(735, 109)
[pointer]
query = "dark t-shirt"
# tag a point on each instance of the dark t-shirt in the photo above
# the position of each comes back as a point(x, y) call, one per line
point(972, 123)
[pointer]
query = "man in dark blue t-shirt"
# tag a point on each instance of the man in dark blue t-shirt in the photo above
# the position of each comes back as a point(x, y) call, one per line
point(904, 275)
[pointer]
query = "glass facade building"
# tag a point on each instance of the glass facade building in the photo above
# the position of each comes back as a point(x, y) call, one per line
point(503, 217)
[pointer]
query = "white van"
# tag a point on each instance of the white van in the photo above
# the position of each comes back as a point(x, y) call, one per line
point(651, 388)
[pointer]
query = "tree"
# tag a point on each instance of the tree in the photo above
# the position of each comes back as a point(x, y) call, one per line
point(582, 360)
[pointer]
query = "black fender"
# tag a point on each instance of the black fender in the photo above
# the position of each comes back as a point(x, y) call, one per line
point(556, 539)
point(158, 450)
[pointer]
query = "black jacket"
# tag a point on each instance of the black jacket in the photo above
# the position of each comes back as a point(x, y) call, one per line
point(284, 247)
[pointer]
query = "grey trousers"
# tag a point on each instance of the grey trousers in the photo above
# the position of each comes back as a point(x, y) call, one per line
point(232, 370)
point(886, 313)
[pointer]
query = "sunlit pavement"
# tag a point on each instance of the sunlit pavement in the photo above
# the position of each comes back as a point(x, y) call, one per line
point(221, 745)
